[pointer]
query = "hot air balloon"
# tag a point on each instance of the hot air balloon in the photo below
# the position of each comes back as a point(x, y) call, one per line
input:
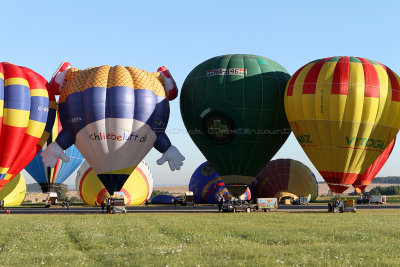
point(27, 111)
point(283, 176)
point(343, 111)
point(13, 193)
point(114, 116)
point(137, 188)
point(232, 107)
point(51, 178)
point(206, 185)
point(364, 179)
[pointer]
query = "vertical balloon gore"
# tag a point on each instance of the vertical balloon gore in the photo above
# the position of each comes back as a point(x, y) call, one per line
point(363, 180)
point(26, 116)
point(343, 112)
point(232, 107)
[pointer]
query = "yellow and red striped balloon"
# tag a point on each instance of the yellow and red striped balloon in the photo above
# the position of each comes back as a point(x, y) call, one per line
point(137, 188)
point(27, 111)
point(344, 112)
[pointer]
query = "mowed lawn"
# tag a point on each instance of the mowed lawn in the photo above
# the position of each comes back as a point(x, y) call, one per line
point(368, 238)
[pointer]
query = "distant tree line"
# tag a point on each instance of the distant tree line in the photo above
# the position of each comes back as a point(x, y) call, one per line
point(33, 188)
point(388, 191)
point(387, 180)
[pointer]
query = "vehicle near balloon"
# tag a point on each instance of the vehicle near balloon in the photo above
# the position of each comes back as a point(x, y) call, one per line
point(236, 205)
point(343, 112)
point(137, 189)
point(116, 203)
point(285, 179)
point(51, 200)
point(13, 193)
point(365, 179)
point(207, 186)
point(266, 204)
point(114, 116)
point(232, 107)
point(27, 111)
point(48, 178)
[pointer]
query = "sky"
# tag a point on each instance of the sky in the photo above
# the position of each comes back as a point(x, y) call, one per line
point(182, 34)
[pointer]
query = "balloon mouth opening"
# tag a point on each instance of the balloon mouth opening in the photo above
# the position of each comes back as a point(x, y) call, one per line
point(338, 188)
point(236, 190)
point(49, 188)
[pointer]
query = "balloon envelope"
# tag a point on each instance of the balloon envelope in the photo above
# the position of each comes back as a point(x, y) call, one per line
point(137, 188)
point(232, 106)
point(206, 185)
point(343, 111)
point(364, 179)
point(114, 115)
point(27, 111)
point(50, 178)
point(13, 193)
point(286, 176)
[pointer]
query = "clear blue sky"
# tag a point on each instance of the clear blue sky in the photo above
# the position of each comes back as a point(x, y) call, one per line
point(182, 34)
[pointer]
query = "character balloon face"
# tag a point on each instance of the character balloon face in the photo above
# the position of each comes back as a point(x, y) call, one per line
point(27, 112)
point(344, 112)
point(114, 115)
point(232, 106)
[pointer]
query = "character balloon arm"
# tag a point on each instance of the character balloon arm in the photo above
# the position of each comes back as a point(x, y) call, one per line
point(170, 87)
point(170, 153)
point(56, 149)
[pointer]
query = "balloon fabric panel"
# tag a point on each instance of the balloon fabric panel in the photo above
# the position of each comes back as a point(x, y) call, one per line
point(114, 115)
point(25, 111)
point(341, 112)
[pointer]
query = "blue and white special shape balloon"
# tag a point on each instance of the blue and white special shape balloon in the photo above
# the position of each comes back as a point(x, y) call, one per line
point(114, 116)
point(207, 185)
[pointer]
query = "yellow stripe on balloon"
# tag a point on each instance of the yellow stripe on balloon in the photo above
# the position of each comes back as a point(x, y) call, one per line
point(4, 170)
point(385, 96)
point(1, 108)
point(16, 117)
point(35, 128)
point(297, 110)
point(1, 76)
point(355, 97)
point(8, 176)
point(39, 92)
point(16, 81)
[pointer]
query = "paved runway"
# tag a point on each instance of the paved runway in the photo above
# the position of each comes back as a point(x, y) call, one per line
point(172, 209)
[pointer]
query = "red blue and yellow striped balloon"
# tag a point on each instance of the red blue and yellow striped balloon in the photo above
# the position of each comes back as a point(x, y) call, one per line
point(344, 112)
point(27, 111)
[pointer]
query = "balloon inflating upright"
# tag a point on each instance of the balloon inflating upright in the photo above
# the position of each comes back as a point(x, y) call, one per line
point(114, 116)
point(344, 113)
point(232, 107)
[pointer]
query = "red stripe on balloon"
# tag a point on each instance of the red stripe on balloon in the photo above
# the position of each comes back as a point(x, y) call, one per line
point(340, 81)
point(339, 182)
point(147, 183)
point(292, 81)
point(310, 82)
point(128, 196)
point(371, 79)
point(101, 194)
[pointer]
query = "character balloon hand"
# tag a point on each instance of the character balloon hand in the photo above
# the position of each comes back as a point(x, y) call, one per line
point(174, 157)
point(169, 83)
point(57, 80)
point(52, 153)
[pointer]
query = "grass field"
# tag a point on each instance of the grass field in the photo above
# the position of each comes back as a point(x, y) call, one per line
point(258, 239)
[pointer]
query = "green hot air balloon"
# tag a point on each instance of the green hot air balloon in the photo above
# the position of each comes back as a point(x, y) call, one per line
point(233, 109)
